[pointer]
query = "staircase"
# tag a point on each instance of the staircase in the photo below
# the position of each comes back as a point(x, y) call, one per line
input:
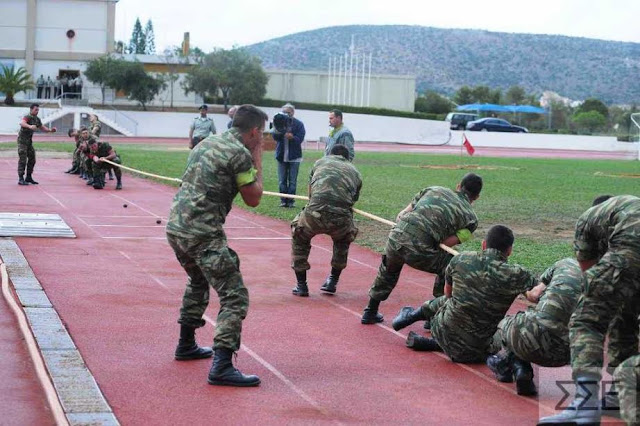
point(109, 118)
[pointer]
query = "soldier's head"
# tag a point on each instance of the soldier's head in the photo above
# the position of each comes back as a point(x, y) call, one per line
point(204, 109)
point(72, 132)
point(471, 184)
point(335, 118)
point(93, 117)
point(84, 133)
point(34, 108)
point(499, 237)
point(249, 121)
point(600, 199)
point(340, 150)
point(232, 111)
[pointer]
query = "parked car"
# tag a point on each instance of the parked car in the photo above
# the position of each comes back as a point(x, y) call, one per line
point(490, 124)
point(459, 120)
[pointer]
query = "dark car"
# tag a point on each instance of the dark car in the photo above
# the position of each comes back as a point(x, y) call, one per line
point(459, 120)
point(495, 125)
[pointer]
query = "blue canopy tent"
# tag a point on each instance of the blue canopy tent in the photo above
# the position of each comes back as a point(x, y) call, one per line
point(530, 109)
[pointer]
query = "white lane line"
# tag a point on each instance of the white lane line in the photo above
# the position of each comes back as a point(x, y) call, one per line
point(164, 238)
point(128, 226)
point(302, 394)
point(105, 216)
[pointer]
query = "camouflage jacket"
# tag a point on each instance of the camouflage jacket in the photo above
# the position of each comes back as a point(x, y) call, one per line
point(217, 167)
point(438, 213)
point(95, 128)
point(101, 149)
point(565, 282)
point(25, 135)
point(611, 225)
point(484, 287)
point(85, 144)
point(335, 185)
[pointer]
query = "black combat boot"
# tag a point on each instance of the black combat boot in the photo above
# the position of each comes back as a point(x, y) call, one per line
point(585, 408)
point(119, 184)
point(110, 174)
point(370, 314)
point(502, 367)
point(406, 317)
point(223, 373)
point(420, 343)
point(21, 181)
point(98, 181)
point(30, 180)
point(301, 288)
point(187, 348)
point(523, 373)
point(610, 402)
point(331, 282)
point(90, 180)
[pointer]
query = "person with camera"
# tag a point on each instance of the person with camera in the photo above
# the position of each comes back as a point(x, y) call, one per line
point(201, 127)
point(340, 135)
point(288, 133)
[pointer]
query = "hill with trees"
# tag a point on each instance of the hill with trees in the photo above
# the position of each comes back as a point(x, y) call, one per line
point(444, 60)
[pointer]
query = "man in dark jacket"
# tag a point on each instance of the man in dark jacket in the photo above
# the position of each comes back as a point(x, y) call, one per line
point(289, 154)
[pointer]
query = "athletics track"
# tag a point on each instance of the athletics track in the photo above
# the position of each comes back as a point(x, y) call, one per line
point(117, 287)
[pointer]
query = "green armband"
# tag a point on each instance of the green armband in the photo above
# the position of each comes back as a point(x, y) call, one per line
point(247, 177)
point(464, 235)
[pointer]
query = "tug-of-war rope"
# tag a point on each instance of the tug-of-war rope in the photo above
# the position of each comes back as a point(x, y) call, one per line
point(275, 194)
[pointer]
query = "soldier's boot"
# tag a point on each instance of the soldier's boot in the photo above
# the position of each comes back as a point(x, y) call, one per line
point(610, 402)
point(406, 317)
point(30, 180)
point(523, 373)
point(370, 314)
point(223, 373)
point(90, 180)
point(70, 170)
point(119, 183)
point(21, 180)
point(187, 348)
point(301, 288)
point(584, 409)
point(331, 282)
point(422, 344)
point(98, 181)
point(110, 174)
point(502, 367)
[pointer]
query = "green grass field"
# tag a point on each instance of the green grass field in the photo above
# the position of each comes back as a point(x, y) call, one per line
point(539, 199)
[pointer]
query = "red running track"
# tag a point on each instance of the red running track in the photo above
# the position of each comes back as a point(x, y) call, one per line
point(118, 287)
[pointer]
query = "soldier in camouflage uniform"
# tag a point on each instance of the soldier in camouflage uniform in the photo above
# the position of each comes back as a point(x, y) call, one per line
point(26, 154)
point(95, 128)
point(217, 169)
point(541, 334)
point(103, 151)
point(436, 215)
point(607, 244)
point(75, 164)
point(334, 187)
point(86, 142)
point(480, 288)
point(626, 380)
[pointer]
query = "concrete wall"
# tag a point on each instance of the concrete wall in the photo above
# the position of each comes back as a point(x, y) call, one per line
point(393, 92)
point(13, 24)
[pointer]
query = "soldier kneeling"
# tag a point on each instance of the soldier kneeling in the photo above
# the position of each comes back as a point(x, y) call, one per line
point(103, 151)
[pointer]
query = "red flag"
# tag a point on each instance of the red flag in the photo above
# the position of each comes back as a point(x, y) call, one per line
point(470, 149)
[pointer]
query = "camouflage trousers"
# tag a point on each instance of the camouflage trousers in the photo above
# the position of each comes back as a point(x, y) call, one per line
point(306, 225)
point(397, 253)
point(609, 302)
point(26, 158)
point(459, 345)
point(626, 379)
point(99, 169)
point(523, 335)
point(212, 263)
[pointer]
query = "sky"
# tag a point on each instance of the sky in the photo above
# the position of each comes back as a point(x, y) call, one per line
point(243, 22)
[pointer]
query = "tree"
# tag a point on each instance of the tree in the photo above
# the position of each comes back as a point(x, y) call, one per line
point(434, 103)
point(131, 78)
point(138, 41)
point(464, 96)
point(593, 104)
point(14, 81)
point(590, 120)
point(235, 73)
point(149, 38)
point(515, 96)
point(100, 71)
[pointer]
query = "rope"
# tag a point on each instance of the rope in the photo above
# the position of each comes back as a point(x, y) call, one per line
point(41, 370)
point(277, 194)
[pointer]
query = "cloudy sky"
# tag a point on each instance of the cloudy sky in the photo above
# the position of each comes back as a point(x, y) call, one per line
point(241, 22)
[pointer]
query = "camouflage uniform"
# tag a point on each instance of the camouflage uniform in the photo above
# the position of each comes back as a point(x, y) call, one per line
point(437, 214)
point(541, 334)
point(102, 149)
point(610, 233)
point(626, 378)
point(217, 167)
point(26, 153)
point(85, 154)
point(335, 186)
point(95, 128)
point(76, 153)
point(484, 287)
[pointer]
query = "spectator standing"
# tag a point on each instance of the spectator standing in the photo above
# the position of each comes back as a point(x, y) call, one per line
point(201, 127)
point(40, 85)
point(289, 155)
point(79, 84)
point(47, 88)
point(340, 135)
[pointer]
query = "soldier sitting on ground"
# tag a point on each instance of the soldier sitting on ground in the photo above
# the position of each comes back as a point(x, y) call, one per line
point(480, 287)
point(103, 151)
point(436, 216)
point(334, 186)
point(541, 334)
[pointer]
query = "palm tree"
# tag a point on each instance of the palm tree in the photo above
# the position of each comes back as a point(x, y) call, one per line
point(13, 81)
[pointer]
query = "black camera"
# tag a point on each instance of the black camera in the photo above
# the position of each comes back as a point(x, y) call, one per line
point(282, 123)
